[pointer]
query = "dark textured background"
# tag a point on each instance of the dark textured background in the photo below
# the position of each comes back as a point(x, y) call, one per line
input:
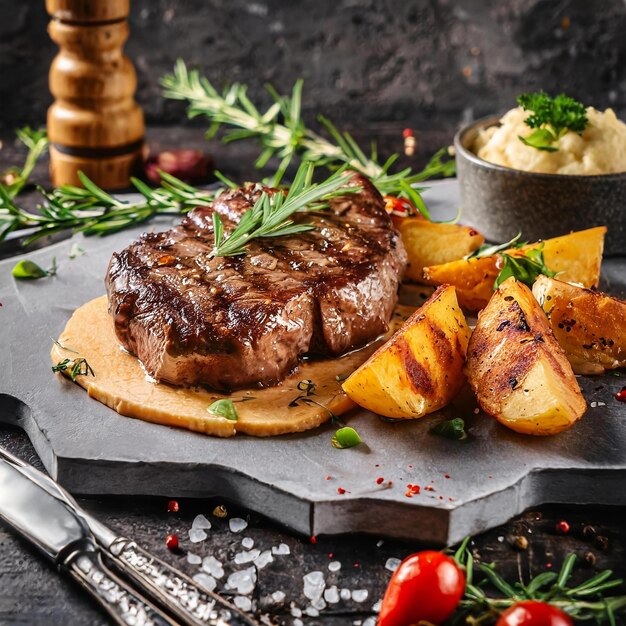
point(372, 66)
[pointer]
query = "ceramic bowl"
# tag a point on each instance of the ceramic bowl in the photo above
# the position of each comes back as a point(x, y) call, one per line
point(501, 201)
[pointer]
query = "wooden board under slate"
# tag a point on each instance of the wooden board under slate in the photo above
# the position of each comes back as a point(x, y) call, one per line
point(466, 487)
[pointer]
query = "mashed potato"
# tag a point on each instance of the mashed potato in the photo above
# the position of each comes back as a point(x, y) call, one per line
point(600, 149)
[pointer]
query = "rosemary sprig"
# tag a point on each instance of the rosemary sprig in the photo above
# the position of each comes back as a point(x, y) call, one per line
point(15, 178)
point(93, 211)
point(270, 216)
point(585, 601)
point(282, 133)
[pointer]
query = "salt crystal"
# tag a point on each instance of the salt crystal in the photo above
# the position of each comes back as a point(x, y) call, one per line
point(593, 405)
point(296, 612)
point(360, 595)
point(237, 525)
point(243, 581)
point(196, 535)
point(370, 621)
point(246, 557)
point(334, 566)
point(263, 559)
point(319, 604)
point(357, 622)
point(278, 596)
point(243, 603)
point(601, 403)
point(392, 564)
point(314, 584)
point(247, 542)
point(311, 611)
point(500, 538)
point(199, 521)
point(281, 549)
point(331, 595)
point(194, 559)
point(376, 606)
point(345, 594)
point(212, 566)
point(379, 543)
point(208, 582)
point(298, 622)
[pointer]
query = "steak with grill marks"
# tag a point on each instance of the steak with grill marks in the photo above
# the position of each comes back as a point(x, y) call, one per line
point(233, 322)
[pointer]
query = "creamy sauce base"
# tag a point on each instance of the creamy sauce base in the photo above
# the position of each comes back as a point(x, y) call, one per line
point(120, 382)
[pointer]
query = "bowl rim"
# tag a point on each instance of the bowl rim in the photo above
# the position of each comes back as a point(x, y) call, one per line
point(492, 120)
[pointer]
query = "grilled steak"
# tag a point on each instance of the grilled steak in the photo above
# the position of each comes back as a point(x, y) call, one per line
point(232, 322)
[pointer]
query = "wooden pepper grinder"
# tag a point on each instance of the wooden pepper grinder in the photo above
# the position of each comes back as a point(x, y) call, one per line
point(95, 125)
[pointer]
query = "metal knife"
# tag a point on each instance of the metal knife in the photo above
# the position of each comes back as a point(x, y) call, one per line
point(65, 539)
point(174, 591)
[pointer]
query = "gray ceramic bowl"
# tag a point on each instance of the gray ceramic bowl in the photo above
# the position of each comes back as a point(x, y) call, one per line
point(500, 201)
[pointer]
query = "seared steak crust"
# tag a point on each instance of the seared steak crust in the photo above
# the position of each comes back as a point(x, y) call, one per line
point(245, 321)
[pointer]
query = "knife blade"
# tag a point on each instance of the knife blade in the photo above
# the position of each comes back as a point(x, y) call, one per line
point(170, 588)
point(65, 539)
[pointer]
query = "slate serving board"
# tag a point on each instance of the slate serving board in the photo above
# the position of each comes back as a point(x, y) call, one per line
point(466, 487)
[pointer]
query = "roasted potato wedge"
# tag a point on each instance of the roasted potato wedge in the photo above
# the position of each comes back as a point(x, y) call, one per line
point(589, 326)
point(420, 369)
point(432, 243)
point(516, 367)
point(576, 257)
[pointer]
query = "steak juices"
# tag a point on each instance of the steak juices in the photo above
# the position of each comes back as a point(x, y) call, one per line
point(233, 322)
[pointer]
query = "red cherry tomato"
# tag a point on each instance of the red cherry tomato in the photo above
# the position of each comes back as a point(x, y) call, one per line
point(426, 587)
point(534, 613)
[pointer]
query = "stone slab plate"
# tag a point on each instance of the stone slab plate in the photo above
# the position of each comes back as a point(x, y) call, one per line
point(466, 487)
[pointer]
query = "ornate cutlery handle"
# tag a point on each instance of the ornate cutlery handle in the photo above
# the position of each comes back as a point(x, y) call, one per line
point(121, 602)
point(177, 593)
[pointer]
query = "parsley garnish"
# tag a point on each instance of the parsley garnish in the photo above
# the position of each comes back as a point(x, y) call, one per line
point(224, 408)
point(29, 270)
point(525, 268)
point(551, 118)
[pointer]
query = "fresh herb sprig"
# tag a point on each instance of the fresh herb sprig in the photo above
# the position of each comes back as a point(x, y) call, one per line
point(271, 215)
point(551, 118)
point(14, 179)
point(487, 594)
point(282, 133)
point(526, 268)
point(93, 211)
point(74, 368)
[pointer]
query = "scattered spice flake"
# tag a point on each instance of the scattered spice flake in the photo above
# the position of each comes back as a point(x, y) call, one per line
point(412, 490)
point(410, 466)
point(620, 396)
point(313, 539)
point(356, 565)
point(562, 527)
point(341, 491)
point(380, 480)
point(441, 497)
point(407, 132)
point(451, 499)
point(330, 555)
point(548, 565)
point(171, 541)
point(429, 488)
point(389, 483)
point(446, 475)
point(328, 477)
point(173, 506)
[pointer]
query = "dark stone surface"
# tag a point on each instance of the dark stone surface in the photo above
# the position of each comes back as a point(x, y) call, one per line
point(372, 66)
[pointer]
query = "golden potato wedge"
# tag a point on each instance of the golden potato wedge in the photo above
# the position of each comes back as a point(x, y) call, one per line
point(589, 326)
point(576, 257)
point(420, 369)
point(516, 367)
point(433, 243)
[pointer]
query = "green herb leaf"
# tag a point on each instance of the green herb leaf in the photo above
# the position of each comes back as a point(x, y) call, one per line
point(75, 251)
point(491, 249)
point(451, 429)
point(76, 367)
point(28, 270)
point(525, 268)
point(346, 437)
point(552, 118)
point(542, 139)
point(224, 408)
